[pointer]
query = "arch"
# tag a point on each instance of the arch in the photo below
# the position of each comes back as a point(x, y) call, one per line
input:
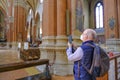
point(30, 23)
point(30, 6)
point(92, 12)
point(41, 1)
point(95, 4)
point(29, 31)
point(100, 31)
point(37, 17)
point(98, 11)
point(5, 14)
point(30, 15)
point(38, 26)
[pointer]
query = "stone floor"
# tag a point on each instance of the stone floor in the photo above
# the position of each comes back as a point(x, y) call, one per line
point(10, 56)
point(13, 75)
point(62, 77)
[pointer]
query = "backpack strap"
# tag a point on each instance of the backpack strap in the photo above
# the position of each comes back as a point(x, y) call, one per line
point(93, 61)
point(79, 62)
point(88, 44)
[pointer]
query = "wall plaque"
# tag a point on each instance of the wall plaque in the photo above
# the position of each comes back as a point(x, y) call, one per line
point(111, 23)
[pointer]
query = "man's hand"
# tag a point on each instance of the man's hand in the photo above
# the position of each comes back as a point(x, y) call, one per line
point(69, 45)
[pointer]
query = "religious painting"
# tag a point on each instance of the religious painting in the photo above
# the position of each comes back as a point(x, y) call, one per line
point(79, 15)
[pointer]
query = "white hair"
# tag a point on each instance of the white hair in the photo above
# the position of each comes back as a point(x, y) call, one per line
point(91, 33)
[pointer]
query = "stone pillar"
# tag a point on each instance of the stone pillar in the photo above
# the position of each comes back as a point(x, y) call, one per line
point(49, 18)
point(61, 22)
point(75, 32)
point(118, 8)
point(61, 17)
point(110, 19)
point(111, 22)
point(49, 23)
point(19, 25)
point(61, 62)
point(10, 20)
point(10, 31)
point(47, 47)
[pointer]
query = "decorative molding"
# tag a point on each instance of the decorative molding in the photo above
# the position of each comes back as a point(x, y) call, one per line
point(113, 41)
point(113, 44)
point(49, 37)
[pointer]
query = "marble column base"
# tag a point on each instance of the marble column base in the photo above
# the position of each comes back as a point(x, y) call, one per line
point(54, 49)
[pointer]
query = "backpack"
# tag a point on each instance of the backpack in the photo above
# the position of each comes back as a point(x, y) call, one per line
point(100, 62)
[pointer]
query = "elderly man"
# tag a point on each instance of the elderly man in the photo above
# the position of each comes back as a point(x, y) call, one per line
point(82, 54)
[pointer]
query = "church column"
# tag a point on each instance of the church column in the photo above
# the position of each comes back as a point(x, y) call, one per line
point(74, 31)
point(110, 15)
point(10, 21)
point(111, 25)
point(61, 21)
point(19, 32)
point(68, 18)
point(47, 47)
point(118, 8)
point(49, 18)
point(10, 15)
point(61, 17)
point(61, 62)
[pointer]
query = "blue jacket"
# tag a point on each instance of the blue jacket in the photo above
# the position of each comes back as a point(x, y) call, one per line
point(79, 71)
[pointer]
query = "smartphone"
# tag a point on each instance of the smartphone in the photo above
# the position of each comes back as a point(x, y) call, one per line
point(70, 39)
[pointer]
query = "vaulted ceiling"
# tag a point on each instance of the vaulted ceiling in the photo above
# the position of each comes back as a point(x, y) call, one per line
point(27, 4)
point(33, 3)
point(4, 4)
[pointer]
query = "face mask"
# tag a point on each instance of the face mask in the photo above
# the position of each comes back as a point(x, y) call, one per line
point(81, 37)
